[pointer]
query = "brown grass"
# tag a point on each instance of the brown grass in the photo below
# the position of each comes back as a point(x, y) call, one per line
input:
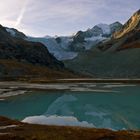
point(132, 45)
point(26, 71)
point(40, 132)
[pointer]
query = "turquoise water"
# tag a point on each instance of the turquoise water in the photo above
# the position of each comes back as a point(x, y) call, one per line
point(119, 109)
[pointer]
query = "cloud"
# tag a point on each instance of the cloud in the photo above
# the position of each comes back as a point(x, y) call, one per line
point(40, 17)
point(22, 12)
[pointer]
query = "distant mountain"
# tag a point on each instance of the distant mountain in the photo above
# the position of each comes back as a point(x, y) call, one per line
point(21, 58)
point(57, 46)
point(115, 57)
point(14, 47)
point(68, 47)
point(104, 51)
point(86, 40)
point(116, 26)
point(127, 37)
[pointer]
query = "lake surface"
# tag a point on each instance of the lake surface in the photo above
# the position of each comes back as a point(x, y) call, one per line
point(113, 106)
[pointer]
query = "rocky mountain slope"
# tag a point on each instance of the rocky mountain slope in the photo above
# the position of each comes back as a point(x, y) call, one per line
point(22, 50)
point(132, 25)
point(68, 47)
point(86, 40)
point(105, 51)
point(57, 46)
point(116, 57)
point(127, 37)
point(22, 58)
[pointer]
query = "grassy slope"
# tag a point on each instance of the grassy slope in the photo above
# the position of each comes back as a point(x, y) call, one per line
point(108, 64)
point(12, 69)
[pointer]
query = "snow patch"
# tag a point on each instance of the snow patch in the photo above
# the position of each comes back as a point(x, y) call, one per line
point(59, 50)
point(95, 38)
point(12, 32)
point(8, 126)
point(105, 28)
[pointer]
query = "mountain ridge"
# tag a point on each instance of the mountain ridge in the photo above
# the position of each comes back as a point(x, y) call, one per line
point(23, 59)
point(99, 53)
point(132, 24)
point(112, 58)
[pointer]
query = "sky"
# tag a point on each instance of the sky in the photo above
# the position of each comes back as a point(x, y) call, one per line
point(63, 17)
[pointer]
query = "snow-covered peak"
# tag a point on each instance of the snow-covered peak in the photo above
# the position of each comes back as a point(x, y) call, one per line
point(59, 50)
point(105, 28)
point(15, 33)
point(116, 26)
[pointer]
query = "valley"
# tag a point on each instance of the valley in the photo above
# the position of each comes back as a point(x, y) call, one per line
point(80, 86)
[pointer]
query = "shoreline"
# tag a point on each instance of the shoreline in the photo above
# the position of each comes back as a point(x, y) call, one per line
point(12, 129)
point(74, 80)
point(16, 130)
point(12, 88)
